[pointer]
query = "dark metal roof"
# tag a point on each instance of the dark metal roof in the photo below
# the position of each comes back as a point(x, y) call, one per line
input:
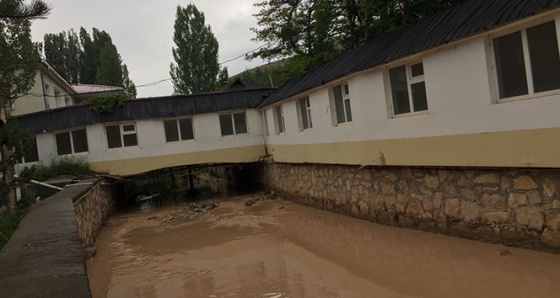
point(456, 22)
point(156, 107)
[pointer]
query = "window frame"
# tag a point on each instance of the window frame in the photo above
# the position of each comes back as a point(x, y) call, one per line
point(122, 133)
point(410, 80)
point(301, 112)
point(72, 145)
point(493, 68)
point(179, 134)
point(232, 119)
point(344, 86)
point(279, 120)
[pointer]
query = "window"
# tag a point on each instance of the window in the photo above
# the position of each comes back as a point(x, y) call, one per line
point(304, 113)
point(178, 130)
point(120, 135)
point(233, 124)
point(408, 89)
point(527, 61)
point(279, 119)
point(70, 142)
point(342, 104)
point(265, 123)
point(31, 153)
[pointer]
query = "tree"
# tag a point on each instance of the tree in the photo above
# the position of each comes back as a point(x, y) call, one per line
point(195, 53)
point(223, 78)
point(87, 59)
point(17, 10)
point(20, 62)
point(314, 31)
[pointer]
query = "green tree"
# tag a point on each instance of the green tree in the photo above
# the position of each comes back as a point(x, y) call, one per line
point(195, 53)
point(223, 78)
point(20, 61)
point(87, 59)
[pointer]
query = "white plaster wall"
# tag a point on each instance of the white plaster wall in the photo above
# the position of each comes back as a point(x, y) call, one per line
point(151, 139)
point(459, 102)
point(33, 102)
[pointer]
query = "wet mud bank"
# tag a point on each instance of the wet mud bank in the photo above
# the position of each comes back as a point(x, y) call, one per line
point(276, 248)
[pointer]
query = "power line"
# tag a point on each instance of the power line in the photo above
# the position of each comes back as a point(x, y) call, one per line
point(219, 63)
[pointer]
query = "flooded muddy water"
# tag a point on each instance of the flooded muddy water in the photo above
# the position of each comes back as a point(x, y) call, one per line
point(278, 249)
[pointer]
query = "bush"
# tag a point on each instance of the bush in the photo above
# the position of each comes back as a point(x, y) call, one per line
point(59, 166)
point(10, 222)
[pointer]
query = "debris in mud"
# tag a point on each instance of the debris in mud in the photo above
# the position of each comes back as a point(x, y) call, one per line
point(505, 252)
point(192, 211)
point(266, 196)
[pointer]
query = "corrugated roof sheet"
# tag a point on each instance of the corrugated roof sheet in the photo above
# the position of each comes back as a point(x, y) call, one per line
point(456, 22)
point(92, 88)
point(157, 107)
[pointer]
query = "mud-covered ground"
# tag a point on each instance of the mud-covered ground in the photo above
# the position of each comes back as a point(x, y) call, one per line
point(278, 249)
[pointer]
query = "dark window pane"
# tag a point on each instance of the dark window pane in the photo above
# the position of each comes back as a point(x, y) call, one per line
point(510, 65)
point(419, 98)
point(130, 140)
point(303, 111)
point(79, 138)
point(279, 119)
point(186, 129)
point(225, 125)
point(128, 127)
point(171, 131)
point(32, 154)
point(346, 90)
point(113, 136)
point(63, 145)
point(338, 105)
point(348, 110)
point(240, 123)
point(545, 59)
point(399, 90)
point(417, 70)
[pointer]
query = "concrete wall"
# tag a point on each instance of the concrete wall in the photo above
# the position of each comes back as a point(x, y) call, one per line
point(39, 99)
point(514, 207)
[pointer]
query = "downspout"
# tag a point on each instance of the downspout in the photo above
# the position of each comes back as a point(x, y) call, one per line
point(43, 88)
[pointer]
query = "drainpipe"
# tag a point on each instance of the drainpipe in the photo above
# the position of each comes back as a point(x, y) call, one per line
point(43, 88)
point(42, 183)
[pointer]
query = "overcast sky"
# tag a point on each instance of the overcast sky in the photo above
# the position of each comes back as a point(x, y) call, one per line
point(142, 30)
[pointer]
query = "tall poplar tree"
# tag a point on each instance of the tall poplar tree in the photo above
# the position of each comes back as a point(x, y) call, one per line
point(19, 62)
point(195, 53)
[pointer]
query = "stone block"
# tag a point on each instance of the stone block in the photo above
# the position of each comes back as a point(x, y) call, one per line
point(486, 178)
point(414, 210)
point(470, 211)
point(364, 208)
point(442, 174)
point(551, 238)
point(464, 181)
point(467, 194)
point(400, 208)
point(498, 217)
point(531, 217)
point(431, 181)
point(553, 221)
point(428, 204)
point(534, 197)
point(517, 200)
point(505, 182)
point(514, 234)
point(524, 183)
point(438, 199)
point(441, 221)
point(549, 189)
point(387, 188)
point(451, 207)
point(494, 201)
point(556, 204)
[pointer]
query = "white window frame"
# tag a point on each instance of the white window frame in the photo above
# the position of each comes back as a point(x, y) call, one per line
point(345, 98)
point(231, 117)
point(410, 80)
point(178, 129)
point(123, 133)
point(279, 122)
point(526, 57)
point(72, 149)
point(307, 112)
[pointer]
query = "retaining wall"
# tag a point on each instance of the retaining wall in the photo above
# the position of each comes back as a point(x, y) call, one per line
point(92, 210)
point(512, 207)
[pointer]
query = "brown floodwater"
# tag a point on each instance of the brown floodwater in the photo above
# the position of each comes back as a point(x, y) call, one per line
point(278, 249)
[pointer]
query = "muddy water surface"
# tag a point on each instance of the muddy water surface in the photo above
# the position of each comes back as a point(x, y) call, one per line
point(277, 249)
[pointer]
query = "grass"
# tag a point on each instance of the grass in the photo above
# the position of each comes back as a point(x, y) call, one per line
point(59, 166)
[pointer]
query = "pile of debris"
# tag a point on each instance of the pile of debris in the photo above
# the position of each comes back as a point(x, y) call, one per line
point(192, 211)
point(266, 196)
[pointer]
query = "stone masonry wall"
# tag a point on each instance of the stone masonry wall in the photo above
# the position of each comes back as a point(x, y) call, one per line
point(92, 210)
point(512, 207)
